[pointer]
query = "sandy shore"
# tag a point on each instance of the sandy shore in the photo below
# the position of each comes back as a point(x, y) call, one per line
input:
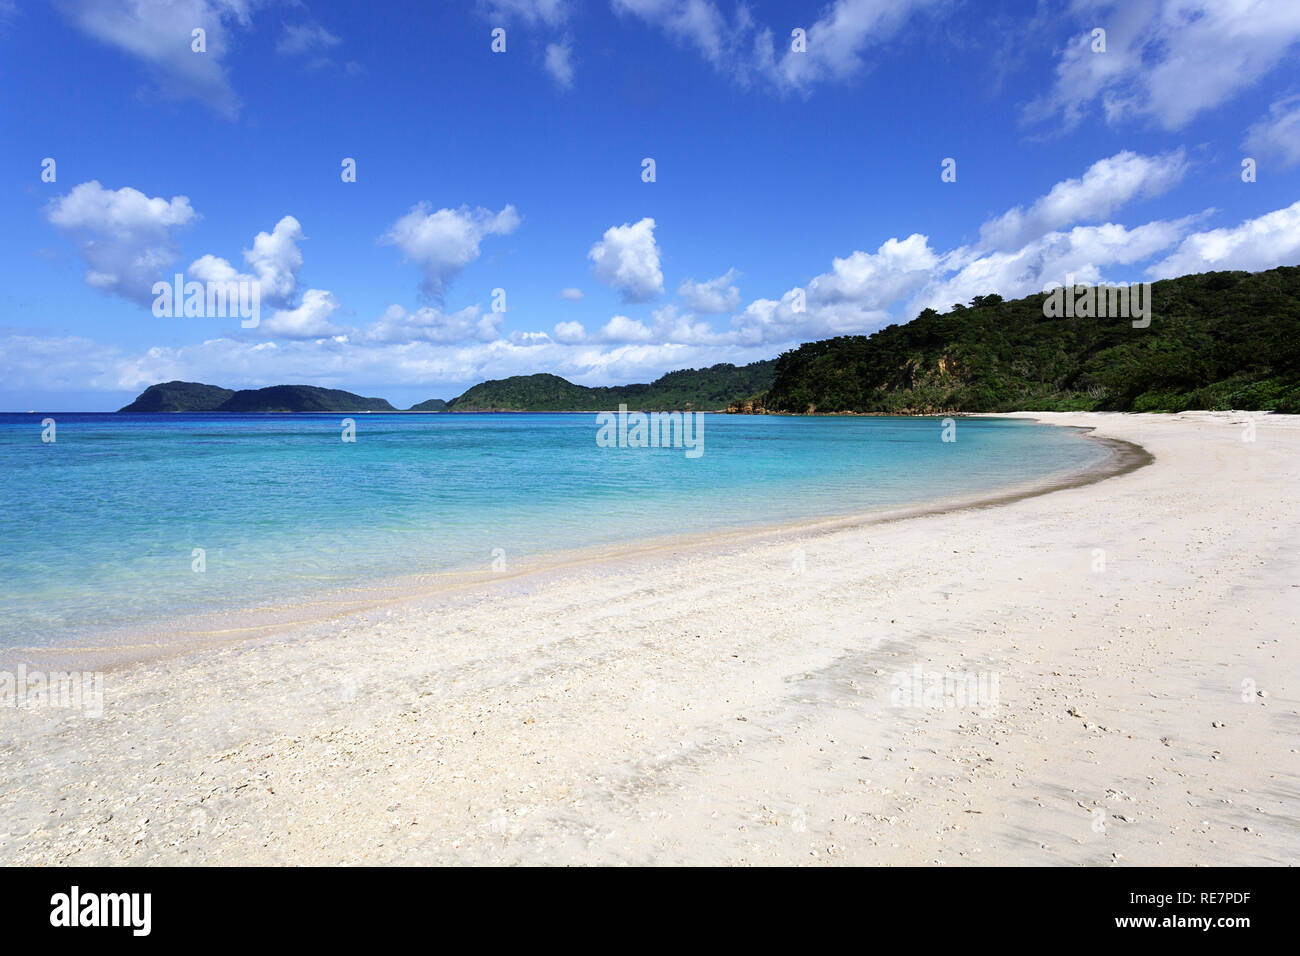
point(1132, 640)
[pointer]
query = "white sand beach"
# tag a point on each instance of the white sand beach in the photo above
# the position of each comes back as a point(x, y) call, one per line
point(714, 704)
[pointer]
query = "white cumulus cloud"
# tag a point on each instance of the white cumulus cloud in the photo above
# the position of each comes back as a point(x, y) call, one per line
point(1264, 242)
point(1107, 185)
point(1084, 253)
point(444, 241)
point(873, 280)
point(427, 324)
point(570, 333)
point(712, 295)
point(275, 261)
point(622, 329)
point(124, 236)
point(627, 258)
point(309, 320)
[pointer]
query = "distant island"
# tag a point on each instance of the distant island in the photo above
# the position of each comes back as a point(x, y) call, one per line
point(705, 389)
point(708, 389)
point(196, 397)
point(1218, 340)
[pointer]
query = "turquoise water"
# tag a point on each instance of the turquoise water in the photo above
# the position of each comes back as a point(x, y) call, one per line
point(98, 529)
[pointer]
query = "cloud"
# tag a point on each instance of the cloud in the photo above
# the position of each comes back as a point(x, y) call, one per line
point(1261, 243)
point(450, 352)
point(697, 23)
point(570, 333)
point(1106, 186)
point(310, 320)
point(56, 363)
point(572, 295)
point(1278, 134)
point(1166, 60)
point(1082, 252)
point(433, 325)
point(839, 38)
point(275, 261)
point(157, 32)
point(442, 243)
point(548, 12)
point(1020, 252)
point(53, 364)
point(671, 326)
point(858, 293)
point(865, 291)
point(744, 51)
point(275, 258)
point(873, 280)
point(787, 321)
point(853, 297)
point(124, 236)
point(622, 329)
point(713, 295)
point(529, 339)
point(537, 16)
point(304, 38)
point(559, 64)
point(627, 258)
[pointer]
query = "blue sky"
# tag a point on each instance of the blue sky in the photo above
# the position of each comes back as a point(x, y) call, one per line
point(780, 174)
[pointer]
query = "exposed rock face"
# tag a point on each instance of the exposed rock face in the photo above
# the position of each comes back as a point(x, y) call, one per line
point(748, 406)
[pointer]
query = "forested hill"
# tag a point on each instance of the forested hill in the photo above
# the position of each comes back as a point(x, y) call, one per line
point(180, 397)
point(705, 389)
point(432, 405)
point(196, 397)
point(1219, 340)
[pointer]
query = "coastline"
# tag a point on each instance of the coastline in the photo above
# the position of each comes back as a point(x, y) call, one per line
point(707, 705)
point(186, 635)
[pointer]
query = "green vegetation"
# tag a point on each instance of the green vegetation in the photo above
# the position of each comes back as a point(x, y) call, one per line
point(302, 398)
point(539, 393)
point(699, 389)
point(1220, 340)
point(703, 389)
point(432, 405)
point(194, 397)
point(180, 397)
